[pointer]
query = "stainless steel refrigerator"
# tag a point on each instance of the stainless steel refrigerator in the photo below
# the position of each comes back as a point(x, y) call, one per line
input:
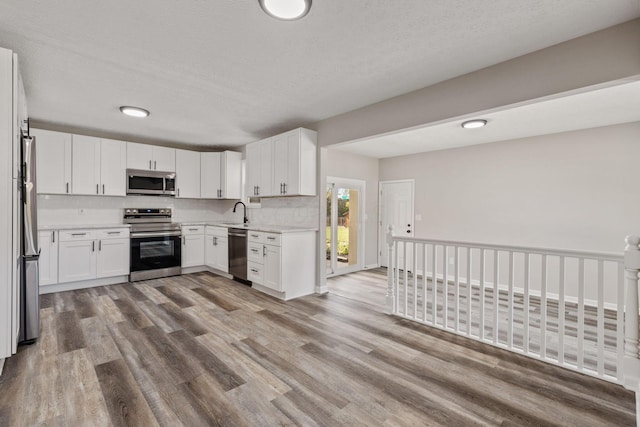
point(30, 253)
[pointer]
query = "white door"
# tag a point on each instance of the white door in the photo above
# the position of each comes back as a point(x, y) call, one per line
point(164, 159)
point(77, 261)
point(396, 209)
point(113, 257)
point(85, 165)
point(192, 250)
point(345, 225)
point(53, 161)
point(48, 262)
point(188, 174)
point(113, 167)
point(210, 174)
point(139, 156)
point(272, 275)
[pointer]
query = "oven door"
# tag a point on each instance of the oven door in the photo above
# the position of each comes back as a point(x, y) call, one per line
point(155, 251)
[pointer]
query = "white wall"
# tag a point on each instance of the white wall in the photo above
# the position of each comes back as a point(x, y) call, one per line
point(347, 165)
point(574, 190)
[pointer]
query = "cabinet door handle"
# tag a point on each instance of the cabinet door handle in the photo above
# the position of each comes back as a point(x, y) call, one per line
point(284, 186)
point(155, 165)
point(253, 270)
point(150, 165)
point(184, 241)
point(100, 245)
point(178, 192)
point(103, 189)
point(67, 188)
point(264, 250)
point(78, 234)
point(97, 189)
point(53, 237)
point(271, 238)
point(215, 241)
point(258, 192)
point(93, 246)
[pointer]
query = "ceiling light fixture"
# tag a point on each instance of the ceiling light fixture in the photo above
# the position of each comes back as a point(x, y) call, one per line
point(473, 124)
point(287, 10)
point(134, 111)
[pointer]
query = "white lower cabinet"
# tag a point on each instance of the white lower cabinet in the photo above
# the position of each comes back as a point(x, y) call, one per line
point(48, 263)
point(282, 265)
point(92, 254)
point(192, 246)
point(216, 248)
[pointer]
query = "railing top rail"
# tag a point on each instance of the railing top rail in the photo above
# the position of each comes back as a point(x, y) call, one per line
point(547, 251)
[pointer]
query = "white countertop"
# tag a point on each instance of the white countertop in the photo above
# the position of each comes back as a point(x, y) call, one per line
point(81, 226)
point(253, 227)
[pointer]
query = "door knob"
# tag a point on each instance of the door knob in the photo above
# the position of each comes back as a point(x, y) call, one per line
point(408, 231)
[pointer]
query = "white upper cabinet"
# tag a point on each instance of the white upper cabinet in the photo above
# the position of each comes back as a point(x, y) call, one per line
point(85, 166)
point(187, 174)
point(113, 167)
point(221, 175)
point(284, 165)
point(53, 161)
point(150, 157)
point(98, 166)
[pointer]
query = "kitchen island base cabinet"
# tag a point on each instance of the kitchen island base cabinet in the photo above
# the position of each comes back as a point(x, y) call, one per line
point(287, 269)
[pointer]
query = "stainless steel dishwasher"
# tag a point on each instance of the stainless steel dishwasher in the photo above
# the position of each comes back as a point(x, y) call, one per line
point(238, 253)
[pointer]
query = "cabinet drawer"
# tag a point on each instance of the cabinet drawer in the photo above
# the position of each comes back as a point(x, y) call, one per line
point(255, 236)
point(254, 252)
point(189, 230)
point(216, 231)
point(272, 239)
point(71, 235)
point(113, 233)
point(255, 273)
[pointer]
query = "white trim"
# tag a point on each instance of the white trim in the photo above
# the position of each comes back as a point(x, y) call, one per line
point(82, 284)
point(368, 266)
point(2, 365)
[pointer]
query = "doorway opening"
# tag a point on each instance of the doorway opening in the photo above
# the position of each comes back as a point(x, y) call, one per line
point(345, 225)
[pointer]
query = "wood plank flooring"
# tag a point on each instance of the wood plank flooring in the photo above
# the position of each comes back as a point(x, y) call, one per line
point(201, 350)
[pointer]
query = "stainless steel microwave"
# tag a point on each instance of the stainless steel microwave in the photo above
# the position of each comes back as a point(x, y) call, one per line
point(151, 183)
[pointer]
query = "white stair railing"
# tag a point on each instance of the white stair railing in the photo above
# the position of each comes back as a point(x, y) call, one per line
point(631, 361)
point(559, 306)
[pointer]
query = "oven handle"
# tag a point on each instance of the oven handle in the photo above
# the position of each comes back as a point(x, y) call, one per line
point(156, 234)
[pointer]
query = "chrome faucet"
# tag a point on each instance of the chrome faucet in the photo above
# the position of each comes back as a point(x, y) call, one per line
point(246, 220)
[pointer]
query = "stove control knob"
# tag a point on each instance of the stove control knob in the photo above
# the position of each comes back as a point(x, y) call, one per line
point(127, 211)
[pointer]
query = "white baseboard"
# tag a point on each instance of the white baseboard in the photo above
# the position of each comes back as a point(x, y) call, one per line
point(1, 365)
point(82, 284)
point(322, 289)
point(376, 265)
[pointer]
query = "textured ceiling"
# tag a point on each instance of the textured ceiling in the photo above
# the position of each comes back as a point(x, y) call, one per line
point(607, 106)
point(223, 73)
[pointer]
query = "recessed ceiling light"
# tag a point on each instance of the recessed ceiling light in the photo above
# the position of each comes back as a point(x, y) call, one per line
point(472, 124)
point(134, 111)
point(287, 10)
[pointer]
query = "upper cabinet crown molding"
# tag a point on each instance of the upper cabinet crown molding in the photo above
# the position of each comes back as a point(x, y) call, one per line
point(283, 165)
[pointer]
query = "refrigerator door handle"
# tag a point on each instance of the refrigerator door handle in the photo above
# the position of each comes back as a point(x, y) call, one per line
point(30, 196)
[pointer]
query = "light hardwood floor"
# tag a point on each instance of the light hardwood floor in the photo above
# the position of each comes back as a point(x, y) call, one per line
point(201, 350)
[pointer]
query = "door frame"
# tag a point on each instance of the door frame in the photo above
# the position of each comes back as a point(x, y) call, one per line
point(382, 234)
point(357, 183)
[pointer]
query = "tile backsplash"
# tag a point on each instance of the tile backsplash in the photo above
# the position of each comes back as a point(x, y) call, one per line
point(66, 210)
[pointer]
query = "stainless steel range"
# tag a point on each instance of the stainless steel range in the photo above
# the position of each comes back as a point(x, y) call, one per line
point(155, 243)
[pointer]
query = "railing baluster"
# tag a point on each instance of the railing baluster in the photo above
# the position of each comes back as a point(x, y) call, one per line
point(481, 332)
point(391, 276)
point(405, 274)
point(600, 324)
point(415, 280)
point(445, 286)
point(434, 285)
point(543, 309)
point(510, 297)
point(496, 297)
point(580, 335)
point(561, 309)
point(469, 293)
point(620, 323)
point(424, 283)
point(457, 288)
point(525, 303)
